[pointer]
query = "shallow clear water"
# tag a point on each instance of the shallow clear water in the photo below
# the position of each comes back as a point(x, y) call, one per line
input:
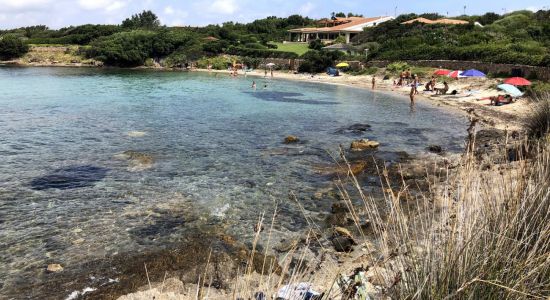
point(67, 196)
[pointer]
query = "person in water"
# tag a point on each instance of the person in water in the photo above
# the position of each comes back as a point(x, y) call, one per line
point(412, 94)
point(254, 84)
point(373, 82)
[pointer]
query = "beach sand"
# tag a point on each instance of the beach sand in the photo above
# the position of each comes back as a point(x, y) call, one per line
point(472, 96)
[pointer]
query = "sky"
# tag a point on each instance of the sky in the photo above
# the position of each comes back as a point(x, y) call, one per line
point(62, 13)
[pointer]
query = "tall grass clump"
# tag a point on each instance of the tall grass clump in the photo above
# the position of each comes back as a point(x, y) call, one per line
point(479, 235)
point(537, 122)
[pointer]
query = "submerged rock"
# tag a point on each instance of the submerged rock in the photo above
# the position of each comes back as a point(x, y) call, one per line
point(363, 144)
point(54, 268)
point(291, 139)
point(138, 161)
point(357, 128)
point(71, 177)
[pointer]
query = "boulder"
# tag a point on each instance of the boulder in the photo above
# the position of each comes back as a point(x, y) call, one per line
point(358, 167)
point(54, 268)
point(291, 139)
point(363, 144)
point(435, 149)
point(137, 161)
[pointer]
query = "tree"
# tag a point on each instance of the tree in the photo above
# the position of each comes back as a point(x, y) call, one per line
point(144, 20)
point(316, 45)
point(12, 47)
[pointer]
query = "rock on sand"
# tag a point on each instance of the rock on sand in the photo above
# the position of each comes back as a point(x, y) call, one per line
point(54, 268)
point(363, 144)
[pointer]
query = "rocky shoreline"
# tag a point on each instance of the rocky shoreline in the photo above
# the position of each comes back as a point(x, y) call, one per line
point(223, 258)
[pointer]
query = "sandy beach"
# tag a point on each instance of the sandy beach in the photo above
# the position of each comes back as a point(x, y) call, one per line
point(472, 96)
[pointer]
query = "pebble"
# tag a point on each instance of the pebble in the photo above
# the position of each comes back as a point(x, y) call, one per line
point(54, 268)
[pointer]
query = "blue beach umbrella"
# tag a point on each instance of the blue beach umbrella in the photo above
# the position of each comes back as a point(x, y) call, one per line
point(510, 89)
point(473, 73)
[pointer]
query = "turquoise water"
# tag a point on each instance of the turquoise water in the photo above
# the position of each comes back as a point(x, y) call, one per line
point(67, 195)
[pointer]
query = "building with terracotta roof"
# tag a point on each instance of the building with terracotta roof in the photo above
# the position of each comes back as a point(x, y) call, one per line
point(333, 28)
point(439, 21)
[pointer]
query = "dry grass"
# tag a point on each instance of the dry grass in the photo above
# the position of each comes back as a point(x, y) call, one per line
point(482, 235)
point(476, 234)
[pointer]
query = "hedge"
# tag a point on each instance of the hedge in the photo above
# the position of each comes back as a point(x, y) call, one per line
point(261, 53)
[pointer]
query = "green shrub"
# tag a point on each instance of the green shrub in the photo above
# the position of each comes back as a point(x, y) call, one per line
point(316, 45)
point(318, 61)
point(365, 71)
point(126, 49)
point(397, 67)
point(217, 63)
point(149, 62)
point(12, 47)
point(241, 51)
point(252, 62)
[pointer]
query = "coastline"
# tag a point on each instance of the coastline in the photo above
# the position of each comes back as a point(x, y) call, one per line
point(347, 81)
point(508, 117)
point(471, 101)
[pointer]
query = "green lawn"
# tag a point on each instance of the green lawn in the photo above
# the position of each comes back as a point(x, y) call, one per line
point(296, 48)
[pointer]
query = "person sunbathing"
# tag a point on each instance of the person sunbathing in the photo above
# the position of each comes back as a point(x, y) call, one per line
point(444, 90)
point(501, 100)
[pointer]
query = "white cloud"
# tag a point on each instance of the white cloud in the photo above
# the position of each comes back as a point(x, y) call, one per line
point(106, 5)
point(23, 5)
point(169, 10)
point(306, 8)
point(226, 7)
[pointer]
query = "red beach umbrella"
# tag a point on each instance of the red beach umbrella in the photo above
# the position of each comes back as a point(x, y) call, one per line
point(454, 74)
point(442, 72)
point(517, 81)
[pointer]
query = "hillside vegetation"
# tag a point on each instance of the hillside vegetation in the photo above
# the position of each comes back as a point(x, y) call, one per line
point(521, 37)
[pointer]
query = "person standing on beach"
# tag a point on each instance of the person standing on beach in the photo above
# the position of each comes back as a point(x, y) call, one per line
point(373, 82)
point(272, 73)
point(265, 73)
point(415, 84)
point(412, 95)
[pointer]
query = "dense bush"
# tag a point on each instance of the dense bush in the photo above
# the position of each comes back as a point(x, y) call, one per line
point(252, 62)
point(12, 47)
point(217, 63)
point(397, 67)
point(318, 61)
point(316, 45)
point(262, 53)
point(518, 38)
point(126, 49)
point(144, 20)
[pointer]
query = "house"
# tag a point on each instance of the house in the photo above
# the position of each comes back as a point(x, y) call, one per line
point(347, 27)
point(439, 21)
